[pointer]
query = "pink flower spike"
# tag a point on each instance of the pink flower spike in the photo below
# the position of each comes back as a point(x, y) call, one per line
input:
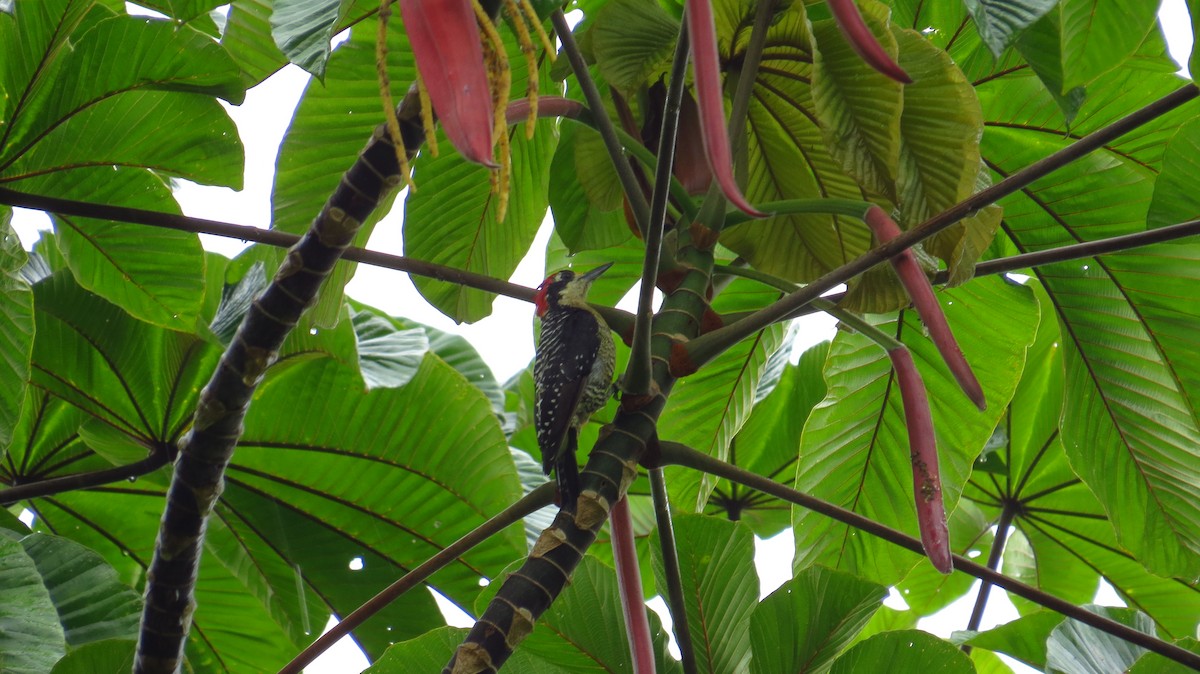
point(927, 482)
point(850, 21)
point(926, 304)
point(703, 35)
point(446, 43)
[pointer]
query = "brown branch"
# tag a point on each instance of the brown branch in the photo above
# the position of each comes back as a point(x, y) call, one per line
point(96, 478)
point(269, 237)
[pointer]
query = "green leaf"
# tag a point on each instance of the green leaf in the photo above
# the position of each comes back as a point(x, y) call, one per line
point(247, 38)
point(1023, 638)
point(92, 603)
point(769, 444)
point(854, 450)
point(111, 655)
point(388, 357)
point(720, 589)
point(805, 623)
point(633, 43)
point(302, 30)
point(787, 155)
point(157, 275)
point(16, 329)
point(999, 22)
point(904, 651)
point(1130, 426)
point(1080, 40)
point(1173, 202)
point(939, 154)
point(375, 475)
point(707, 409)
point(859, 108)
point(1075, 648)
point(460, 355)
point(1194, 13)
point(155, 56)
point(31, 638)
point(1153, 663)
point(582, 222)
point(130, 375)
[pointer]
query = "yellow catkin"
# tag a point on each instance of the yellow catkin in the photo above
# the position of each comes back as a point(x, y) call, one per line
point(531, 14)
point(427, 117)
point(531, 68)
point(385, 93)
point(501, 78)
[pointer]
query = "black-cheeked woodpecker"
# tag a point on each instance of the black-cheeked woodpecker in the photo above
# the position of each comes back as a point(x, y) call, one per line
point(573, 373)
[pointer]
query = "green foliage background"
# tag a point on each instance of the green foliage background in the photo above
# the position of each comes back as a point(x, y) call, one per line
point(377, 439)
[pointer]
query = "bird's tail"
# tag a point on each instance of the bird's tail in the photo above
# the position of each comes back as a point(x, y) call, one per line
point(566, 472)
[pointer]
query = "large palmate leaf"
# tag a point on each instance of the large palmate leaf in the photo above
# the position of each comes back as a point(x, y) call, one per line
point(1130, 425)
point(720, 589)
point(83, 124)
point(769, 444)
point(803, 625)
point(787, 155)
point(295, 535)
point(1063, 542)
point(854, 451)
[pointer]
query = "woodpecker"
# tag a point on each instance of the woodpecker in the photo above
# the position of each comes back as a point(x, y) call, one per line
point(573, 373)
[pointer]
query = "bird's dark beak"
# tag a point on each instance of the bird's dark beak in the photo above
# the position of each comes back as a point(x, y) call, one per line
point(595, 273)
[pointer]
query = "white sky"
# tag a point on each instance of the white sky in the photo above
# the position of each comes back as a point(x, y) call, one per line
point(505, 339)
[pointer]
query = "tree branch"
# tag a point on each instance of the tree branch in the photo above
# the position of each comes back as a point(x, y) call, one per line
point(637, 374)
point(993, 563)
point(681, 455)
point(708, 346)
point(670, 553)
point(57, 485)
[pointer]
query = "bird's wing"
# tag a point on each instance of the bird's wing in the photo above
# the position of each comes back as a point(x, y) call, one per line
point(562, 369)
